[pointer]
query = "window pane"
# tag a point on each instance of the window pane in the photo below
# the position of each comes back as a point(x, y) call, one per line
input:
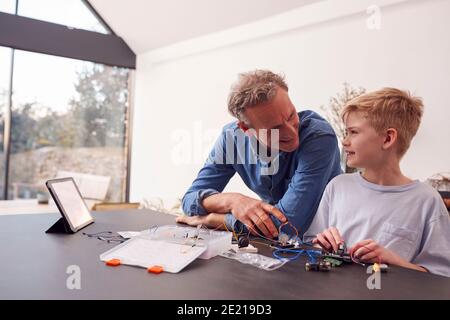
point(68, 115)
point(5, 63)
point(8, 6)
point(72, 13)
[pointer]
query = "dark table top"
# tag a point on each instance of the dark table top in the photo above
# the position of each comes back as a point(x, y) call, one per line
point(33, 265)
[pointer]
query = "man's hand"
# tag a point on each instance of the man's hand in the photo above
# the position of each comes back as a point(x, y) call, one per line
point(329, 239)
point(211, 220)
point(370, 251)
point(256, 213)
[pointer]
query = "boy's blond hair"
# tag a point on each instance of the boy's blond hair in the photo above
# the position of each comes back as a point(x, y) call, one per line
point(390, 108)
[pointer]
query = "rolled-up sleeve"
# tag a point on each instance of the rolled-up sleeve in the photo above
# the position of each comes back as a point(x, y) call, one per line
point(192, 201)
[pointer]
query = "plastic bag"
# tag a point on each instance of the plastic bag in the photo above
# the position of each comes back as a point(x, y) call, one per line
point(255, 259)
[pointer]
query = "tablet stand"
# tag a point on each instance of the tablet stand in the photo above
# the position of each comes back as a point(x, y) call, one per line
point(59, 226)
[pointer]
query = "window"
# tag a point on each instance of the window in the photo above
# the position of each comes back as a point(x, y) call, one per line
point(8, 6)
point(72, 13)
point(67, 115)
point(5, 65)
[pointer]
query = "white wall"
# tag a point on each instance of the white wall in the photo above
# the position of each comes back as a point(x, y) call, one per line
point(318, 47)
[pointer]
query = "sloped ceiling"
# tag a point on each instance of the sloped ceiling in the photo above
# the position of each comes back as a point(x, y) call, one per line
point(151, 24)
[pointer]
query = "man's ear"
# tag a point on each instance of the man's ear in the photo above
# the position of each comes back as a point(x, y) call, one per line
point(390, 137)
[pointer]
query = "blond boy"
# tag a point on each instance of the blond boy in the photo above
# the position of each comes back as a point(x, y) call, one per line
point(382, 215)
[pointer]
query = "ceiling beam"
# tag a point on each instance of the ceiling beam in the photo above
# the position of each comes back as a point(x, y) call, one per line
point(54, 39)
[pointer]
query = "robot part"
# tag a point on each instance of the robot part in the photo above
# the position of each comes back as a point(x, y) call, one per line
point(380, 267)
point(243, 242)
point(318, 266)
point(342, 249)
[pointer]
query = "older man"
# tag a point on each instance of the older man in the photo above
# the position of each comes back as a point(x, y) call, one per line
point(286, 157)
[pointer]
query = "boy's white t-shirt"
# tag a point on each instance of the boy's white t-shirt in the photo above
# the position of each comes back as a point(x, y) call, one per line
point(411, 220)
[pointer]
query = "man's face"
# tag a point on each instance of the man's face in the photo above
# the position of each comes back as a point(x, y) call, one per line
point(362, 144)
point(280, 114)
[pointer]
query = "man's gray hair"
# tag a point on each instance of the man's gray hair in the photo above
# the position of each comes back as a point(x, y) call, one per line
point(253, 88)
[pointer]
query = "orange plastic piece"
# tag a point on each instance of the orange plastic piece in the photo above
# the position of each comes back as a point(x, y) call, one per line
point(113, 262)
point(155, 269)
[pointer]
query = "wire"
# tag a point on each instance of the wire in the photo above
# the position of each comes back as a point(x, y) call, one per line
point(287, 223)
point(260, 235)
point(255, 230)
point(311, 257)
point(195, 239)
point(210, 229)
point(357, 260)
point(97, 233)
point(107, 236)
point(296, 237)
point(111, 239)
point(234, 234)
point(242, 230)
point(260, 242)
point(297, 253)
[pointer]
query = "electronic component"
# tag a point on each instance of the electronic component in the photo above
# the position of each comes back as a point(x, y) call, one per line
point(243, 242)
point(283, 246)
point(334, 262)
point(342, 249)
point(215, 241)
point(341, 254)
point(319, 265)
point(283, 239)
point(380, 267)
point(249, 249)
point(344, 258)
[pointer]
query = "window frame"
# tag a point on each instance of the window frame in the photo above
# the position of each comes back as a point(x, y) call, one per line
point(57, 40)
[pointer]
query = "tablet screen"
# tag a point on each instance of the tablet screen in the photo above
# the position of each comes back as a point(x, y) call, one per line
point(72, 204)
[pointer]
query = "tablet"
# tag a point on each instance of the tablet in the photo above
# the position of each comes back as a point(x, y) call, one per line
point(70, 204)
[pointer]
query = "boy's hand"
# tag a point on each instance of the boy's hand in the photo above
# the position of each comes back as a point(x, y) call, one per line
point(370, 251)
point(329, 239)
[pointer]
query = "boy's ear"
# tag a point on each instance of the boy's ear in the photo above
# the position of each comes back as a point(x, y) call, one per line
point(390, 138)
point(243, 126)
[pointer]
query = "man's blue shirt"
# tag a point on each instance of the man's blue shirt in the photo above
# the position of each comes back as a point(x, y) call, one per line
point(297, 186)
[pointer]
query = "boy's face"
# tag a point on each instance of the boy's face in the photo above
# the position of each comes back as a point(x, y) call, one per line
point(362, 144)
